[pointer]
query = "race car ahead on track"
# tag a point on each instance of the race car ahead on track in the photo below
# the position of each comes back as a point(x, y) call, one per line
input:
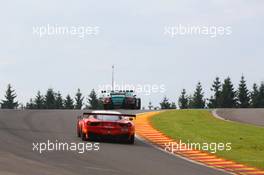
point(106, 124)
point(123, 99)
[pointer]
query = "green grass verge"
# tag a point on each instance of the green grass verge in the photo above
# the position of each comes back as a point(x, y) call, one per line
point(199, 126)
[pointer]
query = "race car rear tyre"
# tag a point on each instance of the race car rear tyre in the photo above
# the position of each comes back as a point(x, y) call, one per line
point(83, 136)
point(131, 140)
point(138, 103)
point(78, 132)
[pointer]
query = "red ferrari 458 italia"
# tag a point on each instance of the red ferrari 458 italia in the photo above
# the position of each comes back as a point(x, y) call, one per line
point(106, 124)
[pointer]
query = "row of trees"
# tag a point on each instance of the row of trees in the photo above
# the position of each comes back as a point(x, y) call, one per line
point(224, 96)
point(52, 100)
point(165, 104)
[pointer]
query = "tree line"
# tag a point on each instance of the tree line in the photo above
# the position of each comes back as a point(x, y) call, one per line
point(224, 96)
point(52, 100)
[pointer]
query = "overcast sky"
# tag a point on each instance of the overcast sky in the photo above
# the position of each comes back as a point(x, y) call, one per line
point(131, 36)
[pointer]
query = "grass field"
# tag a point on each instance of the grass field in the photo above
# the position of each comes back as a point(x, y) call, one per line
point(199, 126)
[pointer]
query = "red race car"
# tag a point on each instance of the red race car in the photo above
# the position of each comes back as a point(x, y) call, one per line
point(106, 124)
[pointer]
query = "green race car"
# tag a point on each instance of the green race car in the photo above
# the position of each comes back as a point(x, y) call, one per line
point(125, 99)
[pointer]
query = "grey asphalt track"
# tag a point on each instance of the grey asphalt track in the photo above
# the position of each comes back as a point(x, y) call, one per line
point(19, 129)
point(250, 116)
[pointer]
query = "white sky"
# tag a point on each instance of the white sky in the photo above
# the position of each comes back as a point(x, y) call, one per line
point(131, 37)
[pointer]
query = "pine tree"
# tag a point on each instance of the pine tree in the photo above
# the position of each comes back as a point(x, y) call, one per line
point(254, 96)
point(50, 101)
point(190, 102)
point(9, 101)
point(59, 101)
point(39, 101)
point(173, 105)
point(68, 103)
point(261, 96)
point(214, 101)
point(165, 104)
point(78, 100)
point(30, 104)
point(243, 94)
point(100, 104)
point(93, 100)
point(183, 100)
point(198, 97)
point(228, 95)
point(150, 106)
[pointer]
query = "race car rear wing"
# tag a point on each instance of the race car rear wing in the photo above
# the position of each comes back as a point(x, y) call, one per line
point(124, 115)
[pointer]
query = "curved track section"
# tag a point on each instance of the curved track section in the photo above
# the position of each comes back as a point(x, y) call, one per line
point(250, 116)
point(19, 129)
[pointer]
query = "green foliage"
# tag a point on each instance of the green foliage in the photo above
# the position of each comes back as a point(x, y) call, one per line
point(183, 100)
point(68, 102)
point(243, 94)
point(30, 104)
point(198, 97)
point(93, 100)
point(228, 95)
point(214, 101)
point(59, 101)
point(50, 101)
point(190, 101)
point(261, 96)
point(173, 106)
point(78, 100)
point(39, 101)
point(150, 106)
point(9, 101)
point(100, 104)
point(165, 104)
point(254, 96)
point(224, 96)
